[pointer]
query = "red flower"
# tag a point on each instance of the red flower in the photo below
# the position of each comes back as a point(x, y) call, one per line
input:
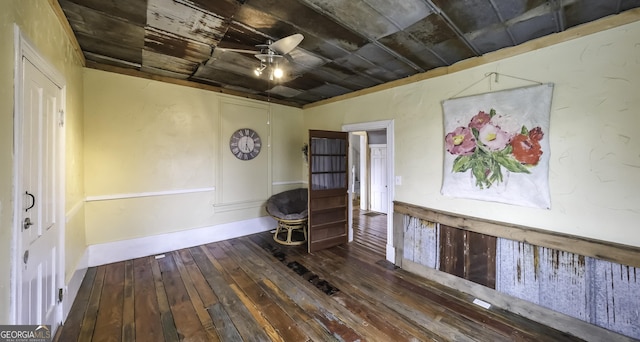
point(526, 149)
point(536, 134)
point(479, 120)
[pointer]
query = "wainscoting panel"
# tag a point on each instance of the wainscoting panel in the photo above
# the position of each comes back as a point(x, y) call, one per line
point(421, 242)
point(599, 292)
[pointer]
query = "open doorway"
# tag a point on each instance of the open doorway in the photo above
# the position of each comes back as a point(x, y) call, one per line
point(370, 182)
point(369, 170)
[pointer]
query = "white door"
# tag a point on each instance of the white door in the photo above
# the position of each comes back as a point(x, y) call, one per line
point(379, 178)
point(40, 274)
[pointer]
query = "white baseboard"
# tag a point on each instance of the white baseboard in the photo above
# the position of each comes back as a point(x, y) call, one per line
point(391, 253)
point(72, 288)
point(106, 253)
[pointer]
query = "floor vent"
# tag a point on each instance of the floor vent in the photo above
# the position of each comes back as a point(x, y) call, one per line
point(302, 271)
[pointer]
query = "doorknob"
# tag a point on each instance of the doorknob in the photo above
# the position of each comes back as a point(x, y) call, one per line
point(27, 223)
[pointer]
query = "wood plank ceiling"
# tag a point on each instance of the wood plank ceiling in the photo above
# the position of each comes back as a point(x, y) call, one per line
point(348, 45)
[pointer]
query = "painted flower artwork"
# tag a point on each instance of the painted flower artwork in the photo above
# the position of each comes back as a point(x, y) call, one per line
point(487, 150)
point(496, 146)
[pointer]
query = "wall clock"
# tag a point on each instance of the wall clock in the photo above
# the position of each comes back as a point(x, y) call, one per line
point(245, 144)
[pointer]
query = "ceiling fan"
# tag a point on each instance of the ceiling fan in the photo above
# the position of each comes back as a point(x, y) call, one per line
point(271, 53)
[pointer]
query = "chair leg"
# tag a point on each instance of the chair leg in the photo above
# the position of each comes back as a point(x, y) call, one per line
point(280, 229)
point(289, 232)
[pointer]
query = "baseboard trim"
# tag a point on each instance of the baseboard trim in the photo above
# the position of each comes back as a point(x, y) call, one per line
point(110, 252)
point(391, 253)
point(73, 287)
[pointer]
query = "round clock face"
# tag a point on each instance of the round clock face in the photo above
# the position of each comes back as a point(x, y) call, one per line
point(245, 144)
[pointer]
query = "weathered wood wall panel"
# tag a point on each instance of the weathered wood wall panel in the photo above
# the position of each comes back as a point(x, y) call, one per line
point(599, 292)
point(605, 250)
point(452, 251)
point(616, 294)
point(481, 259)
point(421, 241)
point(543, 276)
point(468, 255)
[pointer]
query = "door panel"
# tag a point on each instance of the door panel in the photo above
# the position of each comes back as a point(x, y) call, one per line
point(40, 276)
point(379, 179)
point(328, 182)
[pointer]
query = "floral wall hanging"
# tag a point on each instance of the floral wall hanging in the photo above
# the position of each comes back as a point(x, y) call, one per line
point(497, 146)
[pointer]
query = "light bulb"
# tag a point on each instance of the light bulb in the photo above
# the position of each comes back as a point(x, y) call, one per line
point(277, 72)
point(257, 71)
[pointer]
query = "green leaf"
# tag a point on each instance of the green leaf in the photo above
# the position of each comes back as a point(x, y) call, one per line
point(524, 131)
point(492, 113)
point(481, 179)
point(476, 133)
point(511, 164)
point(461, 164)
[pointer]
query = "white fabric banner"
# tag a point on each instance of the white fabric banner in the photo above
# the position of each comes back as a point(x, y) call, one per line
point(497, 146)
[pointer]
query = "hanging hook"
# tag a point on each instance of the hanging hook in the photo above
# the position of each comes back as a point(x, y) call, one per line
point(492, 73)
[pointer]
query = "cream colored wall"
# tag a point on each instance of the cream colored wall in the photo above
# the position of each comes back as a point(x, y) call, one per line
point(146, 137)
point(288, 135)
point(595, 137)
point(38, 22)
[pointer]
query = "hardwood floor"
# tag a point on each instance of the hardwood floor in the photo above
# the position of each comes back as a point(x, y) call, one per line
point(370, 231)
point(253, 289)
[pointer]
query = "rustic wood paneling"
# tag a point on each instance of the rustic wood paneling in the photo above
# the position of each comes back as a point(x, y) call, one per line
point(481, 259)
point(468, 255)
point(610, 251)
point(452, 251)
point(596, 291)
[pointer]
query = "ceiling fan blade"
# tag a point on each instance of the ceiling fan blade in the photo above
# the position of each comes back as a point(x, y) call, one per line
point(285, 45)
point(253, 52)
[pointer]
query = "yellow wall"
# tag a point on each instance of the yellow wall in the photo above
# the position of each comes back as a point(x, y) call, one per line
point(37, 21)
point(595, 136)
point(147, 137)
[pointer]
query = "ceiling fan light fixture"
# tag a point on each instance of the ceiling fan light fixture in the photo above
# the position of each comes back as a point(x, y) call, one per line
point(258, 71)
point(277, 72)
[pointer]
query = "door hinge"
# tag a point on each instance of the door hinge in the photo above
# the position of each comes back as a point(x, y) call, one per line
point(60, 295)
point(61, 118)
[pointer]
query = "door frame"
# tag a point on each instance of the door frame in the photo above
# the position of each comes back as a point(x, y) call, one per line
point(372, 126)
point(23, 47)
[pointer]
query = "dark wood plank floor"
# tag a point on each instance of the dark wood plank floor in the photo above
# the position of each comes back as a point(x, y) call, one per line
point(253, 289)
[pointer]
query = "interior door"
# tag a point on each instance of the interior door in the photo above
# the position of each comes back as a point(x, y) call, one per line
point(379, 178)
point(328, 189)
point(41, 272)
